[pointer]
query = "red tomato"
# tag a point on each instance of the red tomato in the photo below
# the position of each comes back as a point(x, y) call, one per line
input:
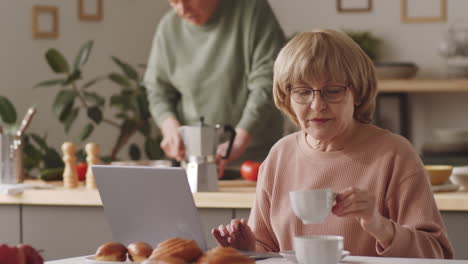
point(81, 169)
point(249, 170)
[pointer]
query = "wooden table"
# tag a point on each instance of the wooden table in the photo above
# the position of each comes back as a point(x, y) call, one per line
point(349, 260)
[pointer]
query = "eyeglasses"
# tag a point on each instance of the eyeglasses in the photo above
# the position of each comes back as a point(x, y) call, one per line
point(330, 94)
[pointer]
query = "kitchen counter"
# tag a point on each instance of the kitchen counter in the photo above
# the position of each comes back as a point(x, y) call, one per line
point(232, 194)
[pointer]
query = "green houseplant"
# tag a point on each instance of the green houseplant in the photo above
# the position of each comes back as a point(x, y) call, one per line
point(366, 40)
point(129, 103)
point(8, 114)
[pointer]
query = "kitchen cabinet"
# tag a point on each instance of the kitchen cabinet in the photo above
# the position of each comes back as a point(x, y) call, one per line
point(456, 222)
point(212, 218)
point(242, 213)
point(10, 229)
point(64, 231)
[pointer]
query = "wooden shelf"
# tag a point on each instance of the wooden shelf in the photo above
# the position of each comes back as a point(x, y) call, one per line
point(423, 86)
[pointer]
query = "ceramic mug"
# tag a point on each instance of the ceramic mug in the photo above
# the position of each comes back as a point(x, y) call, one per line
point(312, 206)
point(318, 249)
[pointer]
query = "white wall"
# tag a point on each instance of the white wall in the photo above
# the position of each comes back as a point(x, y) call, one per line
point(417, 43)
point(126, 31)
point(128, 26)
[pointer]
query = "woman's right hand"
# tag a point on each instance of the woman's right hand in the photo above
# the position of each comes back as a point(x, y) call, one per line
point(236, 234)
point(172, 143)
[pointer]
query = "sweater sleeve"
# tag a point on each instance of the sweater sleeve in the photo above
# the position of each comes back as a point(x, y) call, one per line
point(264, 42)
point(162, 96)
point(418, 225)
point(259, 219)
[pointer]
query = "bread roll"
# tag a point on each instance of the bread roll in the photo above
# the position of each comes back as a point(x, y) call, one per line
point(225, 255)
point(111, 251)
point(139, 251)
point(185, 249)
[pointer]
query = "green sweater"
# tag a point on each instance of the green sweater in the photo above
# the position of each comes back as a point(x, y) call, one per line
point(222, 70)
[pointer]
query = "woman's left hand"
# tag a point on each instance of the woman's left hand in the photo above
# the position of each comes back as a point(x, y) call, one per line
point(358, 203)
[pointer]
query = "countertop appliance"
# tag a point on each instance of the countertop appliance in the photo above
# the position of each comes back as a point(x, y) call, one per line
point(201, 142)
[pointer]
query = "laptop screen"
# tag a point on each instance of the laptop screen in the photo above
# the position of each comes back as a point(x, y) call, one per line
point(148, 204)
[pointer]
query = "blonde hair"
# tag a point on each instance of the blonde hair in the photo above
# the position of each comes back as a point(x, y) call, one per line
point(325, 55)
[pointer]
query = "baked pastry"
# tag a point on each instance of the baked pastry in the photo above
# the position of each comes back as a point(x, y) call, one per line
point(227, 255)
point(139, 251)
point(111, 251)
point(185, 249)
point(164, 260)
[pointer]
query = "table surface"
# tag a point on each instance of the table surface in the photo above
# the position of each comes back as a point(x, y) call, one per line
point(346, 260)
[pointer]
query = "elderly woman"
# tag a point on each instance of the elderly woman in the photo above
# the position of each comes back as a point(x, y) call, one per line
point(384, 204)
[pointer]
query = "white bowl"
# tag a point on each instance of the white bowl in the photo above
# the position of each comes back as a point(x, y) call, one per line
point(460, 176)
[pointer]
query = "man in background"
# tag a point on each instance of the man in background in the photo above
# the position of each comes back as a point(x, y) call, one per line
point(214, 58)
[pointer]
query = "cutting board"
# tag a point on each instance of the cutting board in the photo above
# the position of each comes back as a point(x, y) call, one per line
point(236, 183)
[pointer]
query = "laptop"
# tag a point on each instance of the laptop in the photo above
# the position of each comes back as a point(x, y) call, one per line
point(148, 204)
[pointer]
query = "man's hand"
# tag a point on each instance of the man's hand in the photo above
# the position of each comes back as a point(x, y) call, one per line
point(172, 143)
point(241, 141)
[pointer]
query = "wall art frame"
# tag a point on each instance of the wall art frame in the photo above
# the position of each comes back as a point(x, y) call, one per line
point(343, 6)
point(97, 16)
point(53, 31)
point(406, 18)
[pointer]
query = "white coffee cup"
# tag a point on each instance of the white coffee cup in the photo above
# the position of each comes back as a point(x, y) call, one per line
point(312, 206)
point(318, 249)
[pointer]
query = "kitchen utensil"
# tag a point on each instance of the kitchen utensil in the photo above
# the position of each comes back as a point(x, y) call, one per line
point(201, 142)
point(438, 174)
point(23, 126)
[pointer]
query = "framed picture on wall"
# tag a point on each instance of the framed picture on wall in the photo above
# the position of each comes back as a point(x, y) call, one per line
point(45, 22)
point(353, 5)
point(90, 10)
point(423, 11)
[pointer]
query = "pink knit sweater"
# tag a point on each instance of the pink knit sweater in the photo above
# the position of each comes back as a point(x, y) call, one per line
point(384, 164)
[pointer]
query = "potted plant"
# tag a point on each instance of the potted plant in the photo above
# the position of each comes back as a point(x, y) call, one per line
point(129, 102)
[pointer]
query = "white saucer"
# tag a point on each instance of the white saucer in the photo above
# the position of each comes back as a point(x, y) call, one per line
point(445, 187)
point(291, 256)
point(92, 260)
